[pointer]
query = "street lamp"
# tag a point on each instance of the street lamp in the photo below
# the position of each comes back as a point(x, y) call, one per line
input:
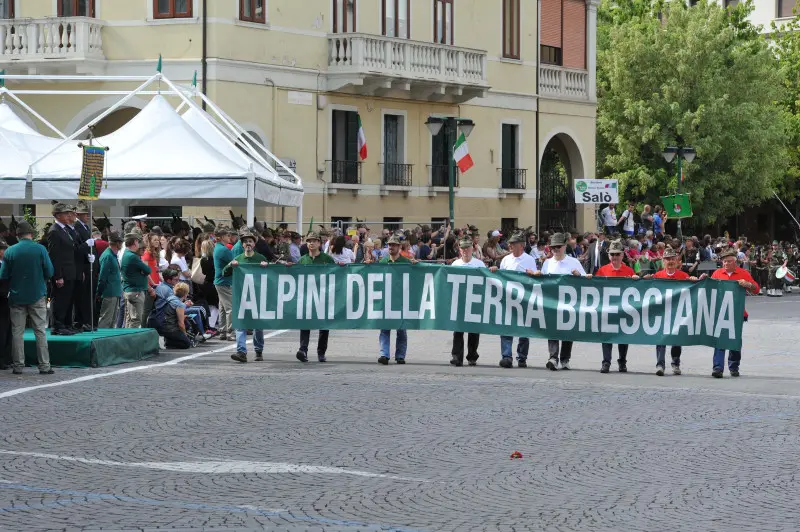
point(451, 124)
point(684, 153)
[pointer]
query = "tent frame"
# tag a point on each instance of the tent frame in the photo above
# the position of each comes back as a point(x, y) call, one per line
point(234, 133)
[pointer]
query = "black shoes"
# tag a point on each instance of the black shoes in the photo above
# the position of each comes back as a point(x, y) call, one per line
point(734, 373)
point(240, 357)
point(472, 360)
point(259, 358)
point(605, 368)
point(45, 372)
point(17, 372)
point(457, 361)
point(506, 362)
point(322, 358)
point(400, 360)
point(623, 367)
point(522, 364)
point(301, 356)
point(552, 364)
point(383, 360)
point(717, 374)
point(62, 332)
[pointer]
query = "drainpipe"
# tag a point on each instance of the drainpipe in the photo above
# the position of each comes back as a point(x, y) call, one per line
point(538, 102)
point(205, 52)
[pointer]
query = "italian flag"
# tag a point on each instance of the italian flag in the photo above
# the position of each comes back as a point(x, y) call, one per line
point(362, 141)
point(461, 154)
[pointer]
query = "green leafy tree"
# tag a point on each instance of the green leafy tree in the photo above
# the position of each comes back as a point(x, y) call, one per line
point(786, 40)
point(702, 77)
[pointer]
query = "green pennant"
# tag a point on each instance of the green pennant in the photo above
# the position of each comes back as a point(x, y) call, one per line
point(2, 80)
point(158, 68)
point(311, 225)
point(194, 80)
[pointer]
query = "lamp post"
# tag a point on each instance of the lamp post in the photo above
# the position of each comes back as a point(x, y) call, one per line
point(450, 125)
point(682, 153)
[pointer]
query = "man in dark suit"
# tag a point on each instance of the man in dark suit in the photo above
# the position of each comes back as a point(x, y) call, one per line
point(598, 254)
point(62, 246)
point(82, 296)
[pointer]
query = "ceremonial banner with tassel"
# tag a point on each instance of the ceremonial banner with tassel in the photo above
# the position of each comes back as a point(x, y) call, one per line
point(94, 158)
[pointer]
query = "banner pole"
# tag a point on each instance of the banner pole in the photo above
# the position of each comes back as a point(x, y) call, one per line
point(91, 267)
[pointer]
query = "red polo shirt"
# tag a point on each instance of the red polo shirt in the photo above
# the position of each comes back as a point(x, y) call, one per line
point(677, 276)
point(738, 275)
point(609, 271)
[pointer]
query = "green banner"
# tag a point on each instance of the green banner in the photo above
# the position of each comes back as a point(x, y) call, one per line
point(433, 297)
point(677, 206)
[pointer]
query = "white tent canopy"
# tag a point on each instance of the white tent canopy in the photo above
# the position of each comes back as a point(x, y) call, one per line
point(157, 156)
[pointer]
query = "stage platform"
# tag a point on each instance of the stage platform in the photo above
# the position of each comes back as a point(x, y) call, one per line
point(105, 347)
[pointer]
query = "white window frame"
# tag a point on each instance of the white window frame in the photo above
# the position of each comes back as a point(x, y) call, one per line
point(455, 36)
point(519, 163)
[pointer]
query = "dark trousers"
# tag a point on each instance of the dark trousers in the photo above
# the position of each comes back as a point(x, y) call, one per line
point(566, 350)
point(63, 304)
point(175, 339)
point(5, 335)
point(623, 353)
point(472, 345)
point(661, 354)
point(322, 343)
point(82, 298)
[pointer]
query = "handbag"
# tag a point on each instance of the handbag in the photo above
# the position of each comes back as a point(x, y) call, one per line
point(197, 272)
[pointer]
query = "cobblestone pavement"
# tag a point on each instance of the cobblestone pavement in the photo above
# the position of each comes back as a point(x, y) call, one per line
point(208, 444)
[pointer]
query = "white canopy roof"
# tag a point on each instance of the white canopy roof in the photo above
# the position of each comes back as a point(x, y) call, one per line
point(14, 160)
point(157, 154)
point(11, 121)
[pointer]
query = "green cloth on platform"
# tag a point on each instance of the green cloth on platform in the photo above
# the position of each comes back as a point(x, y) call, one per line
point(105, 347)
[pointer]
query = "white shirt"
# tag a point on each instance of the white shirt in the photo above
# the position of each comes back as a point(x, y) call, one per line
point(627, 225)
point(609, 217)
point(474, 263)
point(564, 266)
point(535, 253)
point(345, 257)
point(597, 250)
point(518, 264)
point(182, 266)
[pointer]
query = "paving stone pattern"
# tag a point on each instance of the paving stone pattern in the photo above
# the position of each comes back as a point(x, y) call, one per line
point(601, 452)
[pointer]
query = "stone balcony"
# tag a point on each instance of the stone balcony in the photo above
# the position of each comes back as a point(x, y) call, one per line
point(56, 45)
point(564, 83)
point(385, 66)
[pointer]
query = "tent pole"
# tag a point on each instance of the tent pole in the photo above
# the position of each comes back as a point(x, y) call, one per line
point(251, 197)
point(99, 118)
point(4, 90)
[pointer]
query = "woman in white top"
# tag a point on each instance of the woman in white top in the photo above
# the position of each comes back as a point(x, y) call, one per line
point(179, 261)
point(340, 253)
point(466, 260)
point(561, 264)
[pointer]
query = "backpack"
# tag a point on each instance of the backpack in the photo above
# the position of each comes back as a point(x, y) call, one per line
point(156, 318)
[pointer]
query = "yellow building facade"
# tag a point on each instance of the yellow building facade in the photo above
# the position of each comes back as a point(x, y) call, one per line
point(299, 74)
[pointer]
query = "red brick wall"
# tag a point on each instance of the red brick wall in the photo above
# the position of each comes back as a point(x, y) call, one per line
point(551, 23)
point(574, 49)
point(573, 40)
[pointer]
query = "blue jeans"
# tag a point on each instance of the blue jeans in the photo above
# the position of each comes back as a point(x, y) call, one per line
point(734, 357)
point(608, 350)
point(196, 314)
point(241, 340)
point(661, 354)
point(507, 346)
point(402, 343)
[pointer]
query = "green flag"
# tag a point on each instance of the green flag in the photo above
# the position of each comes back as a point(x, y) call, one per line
point(2, 80)
point(158, 68)
point(194, 80)
point(677, 206)
point(311, 225)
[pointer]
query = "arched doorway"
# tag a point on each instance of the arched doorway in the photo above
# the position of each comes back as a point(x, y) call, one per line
point(560, 164)
point(112, 122)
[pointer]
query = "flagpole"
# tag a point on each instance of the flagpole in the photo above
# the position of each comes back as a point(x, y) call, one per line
point(680, 182)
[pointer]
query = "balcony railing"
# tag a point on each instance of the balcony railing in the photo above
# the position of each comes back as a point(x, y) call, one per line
point(397, 175)
point(345, 172)
point(440, 175)
point(50, 38)
point(512, 178)
point(564, 82)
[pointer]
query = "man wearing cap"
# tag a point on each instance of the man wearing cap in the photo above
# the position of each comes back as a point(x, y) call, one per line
point(670, 272)
point(5, 316)
point(224, 285)
point(730, 271)
point(27, 267)
point(561, 264)
point(777, 259)
point(516, 261)
point(249, 256)
point(109, 283)
point(467, 260)
point(314, 256)
point(385, 337)
point(141, 222)
point(135, 277)
point(616, 269)
point(84, 258)
point(62, 245)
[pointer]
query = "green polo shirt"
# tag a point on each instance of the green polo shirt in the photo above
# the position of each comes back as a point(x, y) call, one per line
point(400, 260)
point(27, 267)
point(134, 273)
point(109, 281)
point(244, 259)
point(222, 257)
point(322, 258)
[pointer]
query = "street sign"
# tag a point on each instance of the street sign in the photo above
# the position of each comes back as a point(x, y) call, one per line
point(596, 191)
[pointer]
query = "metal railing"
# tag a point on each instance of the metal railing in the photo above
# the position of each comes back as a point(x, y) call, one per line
point(513, 178)
point(345, 172)
point(396, 174)
point(440, 175)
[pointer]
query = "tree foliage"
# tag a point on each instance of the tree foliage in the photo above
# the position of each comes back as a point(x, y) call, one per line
point(703, 77)
point(786, 45)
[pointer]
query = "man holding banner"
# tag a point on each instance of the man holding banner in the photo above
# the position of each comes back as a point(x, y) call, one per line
point(730, 271)
point(313, 257)
point(385, 338)
point(516, 261)
point(616, 269)
point(467, 246)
